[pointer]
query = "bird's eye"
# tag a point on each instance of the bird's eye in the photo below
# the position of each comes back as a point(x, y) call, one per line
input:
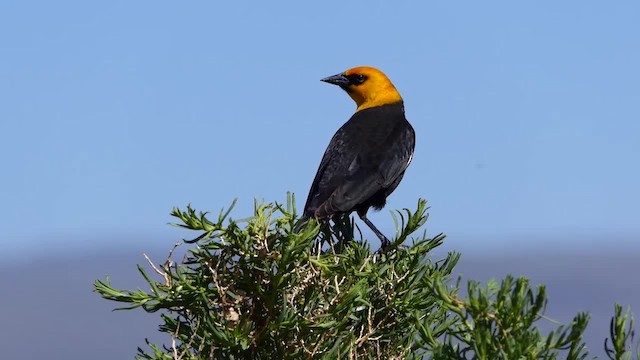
point(357, 79)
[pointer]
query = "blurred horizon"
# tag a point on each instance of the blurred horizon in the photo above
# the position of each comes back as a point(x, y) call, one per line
point(75, 323)
point(561, 241)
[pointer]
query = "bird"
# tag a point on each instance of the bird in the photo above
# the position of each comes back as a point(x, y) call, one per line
point(367, 157)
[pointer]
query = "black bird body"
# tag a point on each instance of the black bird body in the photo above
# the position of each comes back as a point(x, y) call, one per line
point(363, 164)
point(367, 157)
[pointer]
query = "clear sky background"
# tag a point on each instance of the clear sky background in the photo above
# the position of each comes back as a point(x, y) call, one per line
point(527, 114)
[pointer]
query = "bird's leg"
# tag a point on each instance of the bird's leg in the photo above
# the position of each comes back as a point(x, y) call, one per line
point(384, 242)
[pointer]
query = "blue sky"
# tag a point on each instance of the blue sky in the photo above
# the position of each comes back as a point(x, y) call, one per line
point(527, 114)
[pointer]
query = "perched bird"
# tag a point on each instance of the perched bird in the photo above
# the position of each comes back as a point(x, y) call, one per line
point(368, 155)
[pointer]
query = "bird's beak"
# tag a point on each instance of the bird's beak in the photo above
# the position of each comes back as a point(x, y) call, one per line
point(338, 79)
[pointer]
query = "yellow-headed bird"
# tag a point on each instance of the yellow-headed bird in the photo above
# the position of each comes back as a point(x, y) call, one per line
point(368, 155)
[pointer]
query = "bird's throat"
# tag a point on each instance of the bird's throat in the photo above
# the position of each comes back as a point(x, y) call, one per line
point(372, 99)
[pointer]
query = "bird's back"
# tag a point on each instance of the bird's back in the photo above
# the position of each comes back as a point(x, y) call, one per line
point(363, 163)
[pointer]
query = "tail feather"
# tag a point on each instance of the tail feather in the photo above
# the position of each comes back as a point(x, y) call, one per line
point(326, 209)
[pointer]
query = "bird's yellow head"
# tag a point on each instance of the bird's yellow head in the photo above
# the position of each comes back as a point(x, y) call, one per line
point(367, 86)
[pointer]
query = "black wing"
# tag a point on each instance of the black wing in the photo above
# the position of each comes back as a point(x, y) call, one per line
point(367, 155)
point(376, 172)
point(332, 170)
